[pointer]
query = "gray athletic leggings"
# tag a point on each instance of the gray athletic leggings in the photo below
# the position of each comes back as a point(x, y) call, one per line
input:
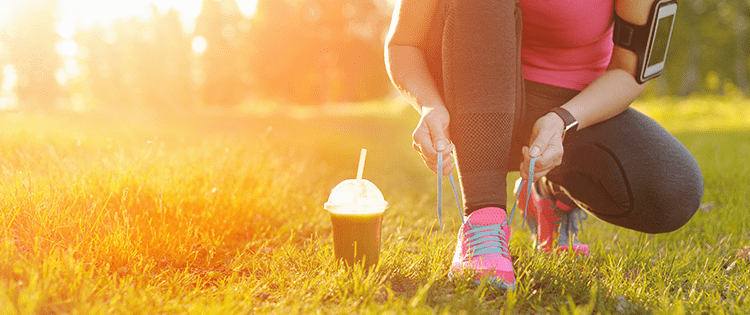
point(628, 170)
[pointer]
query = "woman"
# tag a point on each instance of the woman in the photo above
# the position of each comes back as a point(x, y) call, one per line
point(497, 99)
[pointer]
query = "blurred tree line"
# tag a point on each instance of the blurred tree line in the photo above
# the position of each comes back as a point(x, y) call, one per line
point(28, 37)
point(710, 48)
point(296, 51)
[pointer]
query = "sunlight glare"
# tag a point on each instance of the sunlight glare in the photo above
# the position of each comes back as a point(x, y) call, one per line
point(4, 11)
point(146, 13)
point(199, 45)
point(62, 77)
point(89, 12)
point(7, 101)
point(67, 48)
point(75, 14)
point(72, 67)
point(247, 7)
point(9, 73)
point(7, 98)
point(66, 27)
point(86, 13)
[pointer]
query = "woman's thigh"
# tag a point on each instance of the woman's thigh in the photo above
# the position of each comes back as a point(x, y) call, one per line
point(631, 172)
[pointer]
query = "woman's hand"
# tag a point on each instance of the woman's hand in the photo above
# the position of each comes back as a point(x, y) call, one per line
point(546, 146)
point(431, 136)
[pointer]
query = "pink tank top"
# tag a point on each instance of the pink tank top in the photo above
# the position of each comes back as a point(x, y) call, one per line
point(566, 43)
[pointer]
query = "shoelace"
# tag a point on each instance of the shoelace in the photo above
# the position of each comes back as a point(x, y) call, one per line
point(532, 161)
point(458, 202)
point(484, 240)
point(487, 240)
point(440, 192)
point(570, 223)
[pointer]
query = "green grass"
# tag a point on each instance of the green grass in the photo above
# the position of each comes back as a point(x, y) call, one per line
point(222, 214)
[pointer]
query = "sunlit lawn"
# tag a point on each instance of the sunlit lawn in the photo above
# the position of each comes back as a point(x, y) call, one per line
point(222, 214)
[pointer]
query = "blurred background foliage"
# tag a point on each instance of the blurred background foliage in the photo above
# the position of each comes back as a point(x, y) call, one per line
point(306, 52)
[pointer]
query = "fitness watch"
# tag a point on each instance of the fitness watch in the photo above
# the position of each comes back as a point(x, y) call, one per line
point(571, 124)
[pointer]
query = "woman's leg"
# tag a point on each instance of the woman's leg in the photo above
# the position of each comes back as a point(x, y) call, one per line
point(481, 78)
point(631, 172)
point(628, 170)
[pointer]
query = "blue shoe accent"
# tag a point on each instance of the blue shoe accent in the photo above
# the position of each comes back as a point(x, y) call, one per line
point(498, 283)
point(496, 244)
point(570, 223)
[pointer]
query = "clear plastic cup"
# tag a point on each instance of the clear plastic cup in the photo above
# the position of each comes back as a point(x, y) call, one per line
point(356, 208)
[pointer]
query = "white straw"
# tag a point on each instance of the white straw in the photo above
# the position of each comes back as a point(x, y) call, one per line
point(361, 167)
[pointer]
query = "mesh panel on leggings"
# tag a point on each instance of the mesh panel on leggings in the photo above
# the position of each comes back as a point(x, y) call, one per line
point(482, 141)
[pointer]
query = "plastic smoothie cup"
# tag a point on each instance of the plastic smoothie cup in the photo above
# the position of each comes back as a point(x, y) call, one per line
point(356, 209)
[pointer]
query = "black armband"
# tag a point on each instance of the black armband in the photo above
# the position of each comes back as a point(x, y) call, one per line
point(649, 42)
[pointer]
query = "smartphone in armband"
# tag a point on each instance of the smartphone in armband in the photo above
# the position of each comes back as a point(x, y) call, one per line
point(649, 42)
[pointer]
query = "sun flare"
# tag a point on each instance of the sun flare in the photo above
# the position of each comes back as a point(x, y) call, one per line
point(71, 17)
point(85, 13)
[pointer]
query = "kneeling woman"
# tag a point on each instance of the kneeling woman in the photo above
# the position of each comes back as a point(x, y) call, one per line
point(559, 94)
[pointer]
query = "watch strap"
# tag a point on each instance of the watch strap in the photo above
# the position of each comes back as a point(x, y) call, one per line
point(571, 124)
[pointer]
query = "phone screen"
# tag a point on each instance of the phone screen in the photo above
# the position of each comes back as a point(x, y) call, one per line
point(660, 37)
point(661, 40)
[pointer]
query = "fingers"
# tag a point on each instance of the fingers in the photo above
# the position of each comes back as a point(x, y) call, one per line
point(431, 136)
point(423, 144)
point(438, 137)
point(540, 140)
point(448, 165)
point(431, 133)
point(448, 168)
point(546, 146)
point(550, 158)
point(422, 141)
point(431, 162)
point(433, 157)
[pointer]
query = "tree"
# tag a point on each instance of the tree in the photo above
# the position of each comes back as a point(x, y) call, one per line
point(710, 40)
point(140, 62)
point(223, 64)
point(30, 41)
point(315, 51)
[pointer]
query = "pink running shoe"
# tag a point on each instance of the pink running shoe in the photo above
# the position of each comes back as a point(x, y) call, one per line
point(549, 218)
point(482, 248)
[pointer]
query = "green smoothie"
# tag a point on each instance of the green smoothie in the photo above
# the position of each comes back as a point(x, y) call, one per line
point(356, 237)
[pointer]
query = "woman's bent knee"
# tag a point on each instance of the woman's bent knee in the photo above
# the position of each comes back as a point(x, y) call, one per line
point(673, 206)
point(682, 203)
